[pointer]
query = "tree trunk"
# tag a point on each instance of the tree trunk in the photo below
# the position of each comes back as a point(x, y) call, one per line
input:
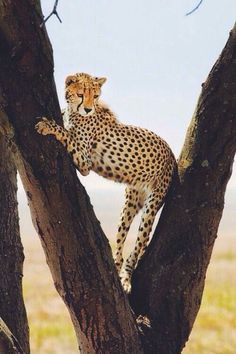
point(76, 249)
point(12, 309)
point(8, 342)
point(169, 281)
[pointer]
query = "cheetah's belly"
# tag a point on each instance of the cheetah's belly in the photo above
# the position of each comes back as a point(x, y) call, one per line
point(131, 165)
point(109, 167)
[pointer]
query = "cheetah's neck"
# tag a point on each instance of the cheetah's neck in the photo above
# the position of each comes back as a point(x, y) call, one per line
point(102, 112)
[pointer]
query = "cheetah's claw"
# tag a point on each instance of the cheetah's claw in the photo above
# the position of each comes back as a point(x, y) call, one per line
point(45, 126)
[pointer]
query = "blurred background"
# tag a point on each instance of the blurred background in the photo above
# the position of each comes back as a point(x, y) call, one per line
point(155, 59)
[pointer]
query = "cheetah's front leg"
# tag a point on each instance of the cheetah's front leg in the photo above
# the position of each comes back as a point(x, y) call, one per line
point(50, 127)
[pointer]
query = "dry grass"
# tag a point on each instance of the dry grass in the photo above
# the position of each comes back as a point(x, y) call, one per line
point(214, 331)
point(215, 327)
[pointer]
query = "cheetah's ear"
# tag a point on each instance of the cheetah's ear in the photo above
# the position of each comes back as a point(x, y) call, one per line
point(70, 79)
point(100, 80)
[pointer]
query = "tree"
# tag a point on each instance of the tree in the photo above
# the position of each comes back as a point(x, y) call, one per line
point(76, 249)
point(12, 310)
point(8, 342)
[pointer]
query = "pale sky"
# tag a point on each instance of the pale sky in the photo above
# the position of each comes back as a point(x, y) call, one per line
point(155, 59)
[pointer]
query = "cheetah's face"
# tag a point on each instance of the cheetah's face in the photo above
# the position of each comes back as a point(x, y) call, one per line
point(82, 91)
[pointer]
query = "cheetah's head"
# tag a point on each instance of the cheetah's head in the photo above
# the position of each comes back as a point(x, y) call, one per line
point(82, 92)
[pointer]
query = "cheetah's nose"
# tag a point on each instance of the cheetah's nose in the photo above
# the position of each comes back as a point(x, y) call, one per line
point(87, 110)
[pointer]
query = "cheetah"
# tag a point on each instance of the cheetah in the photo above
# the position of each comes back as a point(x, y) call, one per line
point(137, 157)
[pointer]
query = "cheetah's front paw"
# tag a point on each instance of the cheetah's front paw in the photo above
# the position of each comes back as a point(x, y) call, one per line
point(45, 127)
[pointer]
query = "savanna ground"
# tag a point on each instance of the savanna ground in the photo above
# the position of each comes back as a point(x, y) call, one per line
point(214, 330)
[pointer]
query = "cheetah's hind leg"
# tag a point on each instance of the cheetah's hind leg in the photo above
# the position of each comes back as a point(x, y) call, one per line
point(151, 206)
point(133, 203)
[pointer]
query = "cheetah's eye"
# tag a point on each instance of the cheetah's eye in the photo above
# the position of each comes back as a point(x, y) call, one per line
point(80, 95)
point(96, 96)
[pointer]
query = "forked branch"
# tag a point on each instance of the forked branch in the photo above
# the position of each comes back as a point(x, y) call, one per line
point(54, 12)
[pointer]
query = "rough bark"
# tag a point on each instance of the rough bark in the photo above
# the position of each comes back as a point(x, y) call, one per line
point(8, 342)
point(169, 281)
point(76, 249)
point(12, 309)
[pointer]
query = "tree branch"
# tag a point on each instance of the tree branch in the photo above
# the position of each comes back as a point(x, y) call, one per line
point(194, 9)
point(54, 12)
point(8, 342)
point(11, 249)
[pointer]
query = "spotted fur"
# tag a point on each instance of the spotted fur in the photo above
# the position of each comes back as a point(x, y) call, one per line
point(97, 141)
